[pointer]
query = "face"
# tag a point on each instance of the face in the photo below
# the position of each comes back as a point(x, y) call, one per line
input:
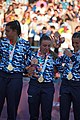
point(9, 32)
point(76, 44)
point(44, 31)
point(45, 46)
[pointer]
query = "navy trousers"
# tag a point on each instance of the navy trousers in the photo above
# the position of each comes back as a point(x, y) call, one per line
point(40, 95)
point(69, 93)
point(10, 88)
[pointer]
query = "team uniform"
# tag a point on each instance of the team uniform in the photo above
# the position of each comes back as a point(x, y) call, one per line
point(70, 86)
point(41, 92)
point(11, 73)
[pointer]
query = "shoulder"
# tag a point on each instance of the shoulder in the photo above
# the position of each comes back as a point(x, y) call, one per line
point(4, 41)
point(23, 41)
point(34, 53)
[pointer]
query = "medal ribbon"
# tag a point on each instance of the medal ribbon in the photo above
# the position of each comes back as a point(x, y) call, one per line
point(44, 65)
point(43, 68)
point(70, 66)
point(11, 51)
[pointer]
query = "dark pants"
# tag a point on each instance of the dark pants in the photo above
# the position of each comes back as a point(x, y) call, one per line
point(10, 88)
point(40, 94)
point(69, 92)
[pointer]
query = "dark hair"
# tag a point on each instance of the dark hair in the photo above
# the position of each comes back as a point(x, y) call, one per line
point(41, 5)
point(52, 26)
point(15, 25)
point(76, 35)
point(44, 37)
point(44, 28)
point(76, 28)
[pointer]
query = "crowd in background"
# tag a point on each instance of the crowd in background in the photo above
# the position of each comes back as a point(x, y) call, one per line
point(38, 17)
point(42, 16)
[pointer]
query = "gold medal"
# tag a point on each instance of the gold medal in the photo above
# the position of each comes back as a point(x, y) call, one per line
point(41, 79)
point(69, 76)
point(10, 67)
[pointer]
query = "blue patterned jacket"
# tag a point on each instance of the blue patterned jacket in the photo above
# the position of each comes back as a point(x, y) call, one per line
point(64, 62)
point(21, 54)
point(48, 73)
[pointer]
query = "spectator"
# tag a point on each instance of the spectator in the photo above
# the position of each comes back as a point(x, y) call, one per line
point(77, 28)
point(24, 29)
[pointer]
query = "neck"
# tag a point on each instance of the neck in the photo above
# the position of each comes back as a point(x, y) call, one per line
point(13, 41)
point(42, 53)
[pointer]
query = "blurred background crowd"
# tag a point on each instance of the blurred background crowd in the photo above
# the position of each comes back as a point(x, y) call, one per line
point(42, 16)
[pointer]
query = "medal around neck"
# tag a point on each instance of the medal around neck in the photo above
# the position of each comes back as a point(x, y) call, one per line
point(69, 76)
point(40, 79)
point(10, 67)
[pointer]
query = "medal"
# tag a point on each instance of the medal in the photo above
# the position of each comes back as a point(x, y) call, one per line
point(69, 76)
point(10, 67)
point(40, 79)
point(34, 61)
